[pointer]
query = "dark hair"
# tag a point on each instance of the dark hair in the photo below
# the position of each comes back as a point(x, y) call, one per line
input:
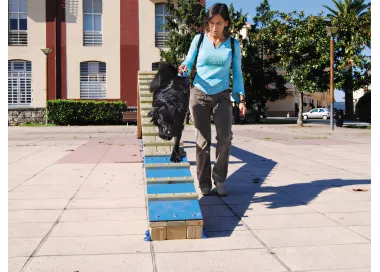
point(222, 10)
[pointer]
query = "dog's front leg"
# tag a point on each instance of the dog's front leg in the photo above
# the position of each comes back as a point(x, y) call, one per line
point(175, 153)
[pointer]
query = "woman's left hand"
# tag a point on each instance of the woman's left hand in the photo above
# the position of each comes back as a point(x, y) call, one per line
point(243, 109)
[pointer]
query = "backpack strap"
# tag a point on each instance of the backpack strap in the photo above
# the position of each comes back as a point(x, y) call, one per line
point(233, 51)
point(199, 46)
point(193, 71)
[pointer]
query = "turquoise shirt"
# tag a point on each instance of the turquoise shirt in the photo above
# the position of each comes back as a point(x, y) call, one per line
point(213, 67)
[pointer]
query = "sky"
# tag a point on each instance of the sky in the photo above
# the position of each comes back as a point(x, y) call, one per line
point(309, 7)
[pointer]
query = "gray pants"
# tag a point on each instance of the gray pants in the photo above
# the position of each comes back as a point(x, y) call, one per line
point(202, 106)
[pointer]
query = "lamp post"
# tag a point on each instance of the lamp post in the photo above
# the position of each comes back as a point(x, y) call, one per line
point(331, 31)
point(46, 51)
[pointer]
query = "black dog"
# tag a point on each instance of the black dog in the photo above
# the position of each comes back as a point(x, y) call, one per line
point(170, 103)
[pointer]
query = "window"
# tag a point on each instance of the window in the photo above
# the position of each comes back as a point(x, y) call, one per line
point(161, 34)
point(93, 80)
point(92, 22)
point(19, 83)
point(314, 111)
point(321, 110)
point(18, 23)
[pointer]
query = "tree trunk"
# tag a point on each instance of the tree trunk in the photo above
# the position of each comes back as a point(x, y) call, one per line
point(300, 112)
point(349, 98)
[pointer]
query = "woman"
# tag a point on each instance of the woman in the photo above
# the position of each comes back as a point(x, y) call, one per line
point(211, 95)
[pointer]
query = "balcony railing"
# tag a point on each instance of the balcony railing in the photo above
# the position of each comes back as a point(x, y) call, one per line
point(92, 38)
point(18, 38)
point(161, 39)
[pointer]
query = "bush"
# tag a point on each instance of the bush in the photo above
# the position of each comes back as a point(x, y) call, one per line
point(363, 108)
point(79, 112)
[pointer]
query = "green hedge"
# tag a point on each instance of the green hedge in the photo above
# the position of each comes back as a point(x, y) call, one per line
point(79, 112)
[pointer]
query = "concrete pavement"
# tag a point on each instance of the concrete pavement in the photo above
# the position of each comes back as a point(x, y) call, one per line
point(77, 202)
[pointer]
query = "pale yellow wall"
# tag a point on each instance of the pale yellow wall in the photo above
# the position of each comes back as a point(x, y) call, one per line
point(287, 104)
point(32, 52)
point(149, 53)
point(109, 52)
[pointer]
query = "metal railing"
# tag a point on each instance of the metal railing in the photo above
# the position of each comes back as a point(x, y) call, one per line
point(161, 39)
point(92, 38)
point(19, 89)
point(19, 38)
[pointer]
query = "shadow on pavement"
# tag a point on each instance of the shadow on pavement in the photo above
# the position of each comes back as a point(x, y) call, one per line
point(222, 215)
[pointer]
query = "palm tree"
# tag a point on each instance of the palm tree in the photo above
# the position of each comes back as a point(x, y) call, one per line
point(353, 17)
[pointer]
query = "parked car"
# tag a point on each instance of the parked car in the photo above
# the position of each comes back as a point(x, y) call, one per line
point(318, 113)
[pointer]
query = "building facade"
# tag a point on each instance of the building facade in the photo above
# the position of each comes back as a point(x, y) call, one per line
point(290, 104)
point(94, 51)
point(97, 48)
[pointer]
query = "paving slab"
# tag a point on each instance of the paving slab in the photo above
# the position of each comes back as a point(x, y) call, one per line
point(232, 241)
point(28, 230)
point(33, 216)
point(58, 180)
point(236, 260)
point(351, 218)
point(107, 203)
point(309, 236)
point(16, 263)
point(341, 206)
point(15, 180)
point(267, 208)
point(362, 230)
point(301, 207)
point(74, 215)
point(326, 257)
point(22, 247)
point(37, 204)
point(89, 228)
point(92, 263)
point(91, 245)
point(288, 221)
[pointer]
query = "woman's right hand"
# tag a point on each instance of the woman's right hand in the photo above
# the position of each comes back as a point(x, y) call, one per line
point(182, 68)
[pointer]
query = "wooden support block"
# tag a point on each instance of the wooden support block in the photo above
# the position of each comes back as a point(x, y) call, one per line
point(176, 230)
point(194, 232)
point(176, 223)
point(159, 224)
point(158, 234)
point(194, 223)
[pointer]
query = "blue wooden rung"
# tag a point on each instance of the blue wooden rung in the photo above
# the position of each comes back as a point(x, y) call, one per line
point(170, 188)
point(167, 172)
point(174, 210)
point(163, 159)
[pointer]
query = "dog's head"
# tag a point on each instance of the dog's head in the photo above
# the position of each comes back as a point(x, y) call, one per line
point(168, 119)
point(165, 74)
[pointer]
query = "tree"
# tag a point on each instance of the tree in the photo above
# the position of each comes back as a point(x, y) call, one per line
point(304, 53)
point(183, 23)
point(260, 60)
point(353, 17)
